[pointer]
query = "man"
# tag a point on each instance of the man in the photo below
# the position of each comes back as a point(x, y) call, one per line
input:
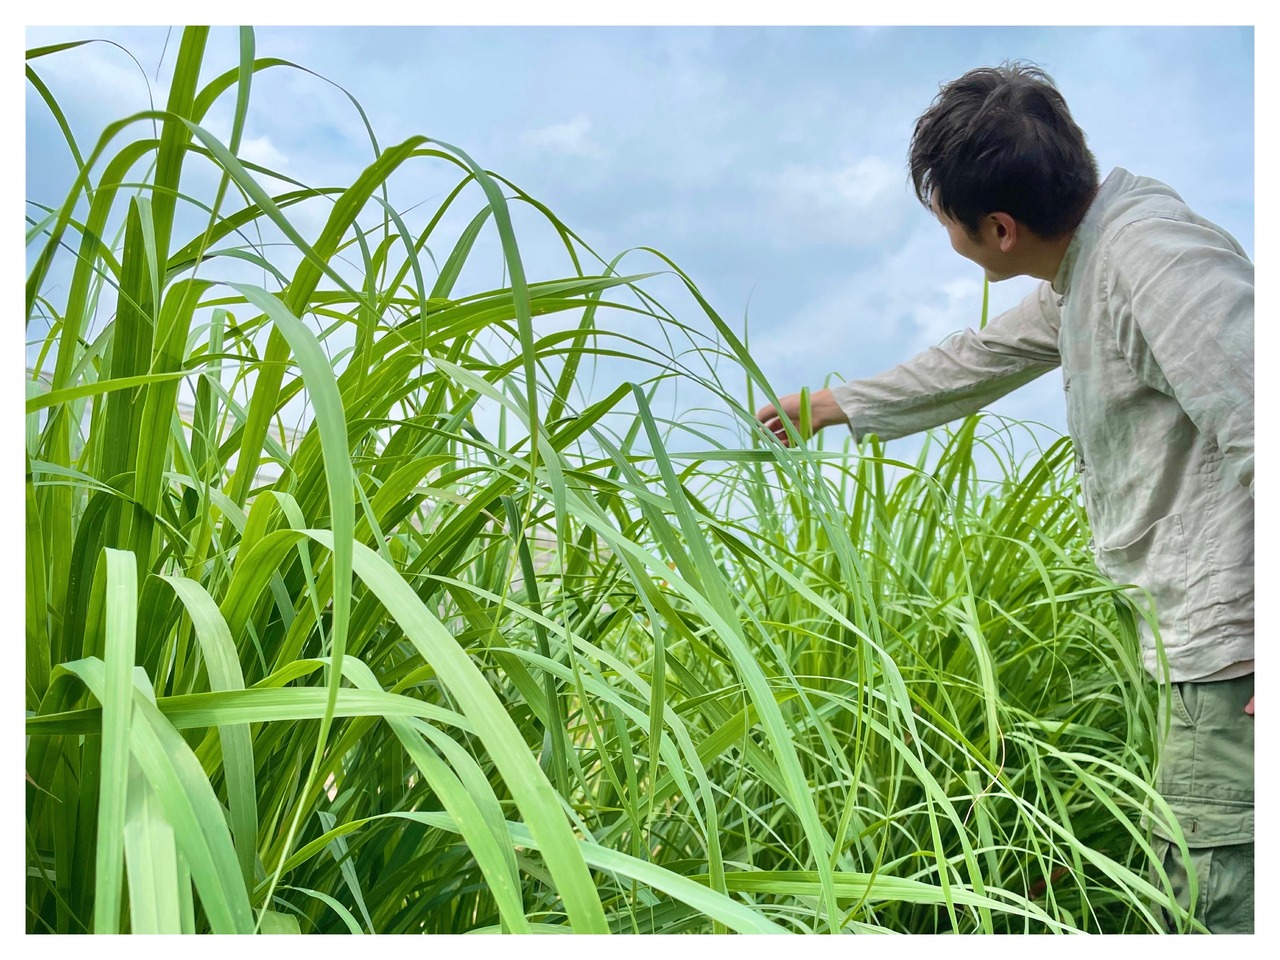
point(1148, 309)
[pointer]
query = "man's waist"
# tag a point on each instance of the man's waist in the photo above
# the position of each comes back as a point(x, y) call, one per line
point(1241, 668)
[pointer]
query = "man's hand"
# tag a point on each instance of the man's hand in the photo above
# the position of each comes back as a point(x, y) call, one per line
point(823, 412)
point(1248, 707)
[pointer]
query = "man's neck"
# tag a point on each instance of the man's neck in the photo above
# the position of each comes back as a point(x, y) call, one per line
point(1044, 257)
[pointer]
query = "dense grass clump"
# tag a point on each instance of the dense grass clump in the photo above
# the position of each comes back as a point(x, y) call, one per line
point(359, 599)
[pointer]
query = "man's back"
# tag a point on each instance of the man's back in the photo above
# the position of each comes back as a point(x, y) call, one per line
point(1156, 341)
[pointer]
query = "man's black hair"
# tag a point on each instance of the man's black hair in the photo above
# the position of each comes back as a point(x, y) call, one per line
point(1001, 139)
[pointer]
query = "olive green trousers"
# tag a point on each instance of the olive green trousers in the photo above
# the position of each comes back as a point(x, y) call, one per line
point(1206, 776)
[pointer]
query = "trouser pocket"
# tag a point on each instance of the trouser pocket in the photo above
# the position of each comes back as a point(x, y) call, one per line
point(1222, 878)
point(1206, 777)
point(1206, 762)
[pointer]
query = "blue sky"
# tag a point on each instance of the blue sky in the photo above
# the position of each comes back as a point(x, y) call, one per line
point(769, 163)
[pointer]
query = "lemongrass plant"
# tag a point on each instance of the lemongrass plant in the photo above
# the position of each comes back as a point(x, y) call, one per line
point(491, 641)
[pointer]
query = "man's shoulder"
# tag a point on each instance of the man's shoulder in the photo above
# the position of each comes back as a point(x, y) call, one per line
point(1128, 199)
point(1144, 222)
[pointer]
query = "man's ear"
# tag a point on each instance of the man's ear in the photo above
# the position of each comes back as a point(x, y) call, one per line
point(1005, 230)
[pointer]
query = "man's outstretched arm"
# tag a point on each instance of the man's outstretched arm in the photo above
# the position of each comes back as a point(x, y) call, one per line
point(957, 377)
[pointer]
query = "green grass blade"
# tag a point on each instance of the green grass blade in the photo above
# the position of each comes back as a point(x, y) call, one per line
point(155, 884)
point(116, 696)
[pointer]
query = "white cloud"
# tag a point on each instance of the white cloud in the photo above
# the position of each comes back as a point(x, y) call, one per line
point(572, 138)
point(890, 307)
point(857, 203)
point(947, 310)
point(262, 151)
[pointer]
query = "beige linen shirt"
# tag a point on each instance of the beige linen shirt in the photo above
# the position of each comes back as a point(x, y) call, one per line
point(1150, 318)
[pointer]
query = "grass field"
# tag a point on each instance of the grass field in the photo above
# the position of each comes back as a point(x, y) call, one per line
point(359, 599)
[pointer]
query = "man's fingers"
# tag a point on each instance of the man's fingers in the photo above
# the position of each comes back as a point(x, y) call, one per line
point(774, 426)
point(771, 417)
point(1248, 707)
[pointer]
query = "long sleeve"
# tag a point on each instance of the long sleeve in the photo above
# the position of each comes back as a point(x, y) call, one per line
point(1180, 295)
point(959, 376)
